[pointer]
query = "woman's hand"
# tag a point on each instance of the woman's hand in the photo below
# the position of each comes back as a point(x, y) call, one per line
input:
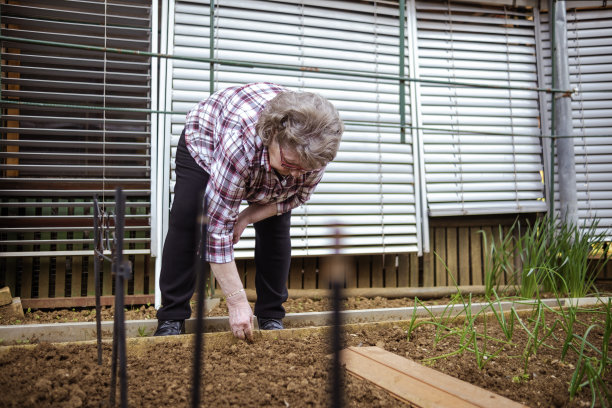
point(240, 316)
point(239, 226)
point(252, 214)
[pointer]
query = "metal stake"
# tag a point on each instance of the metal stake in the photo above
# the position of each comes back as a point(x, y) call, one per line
point(98, 258)
point(201, 269)
point(337, 284)
point(122, 270)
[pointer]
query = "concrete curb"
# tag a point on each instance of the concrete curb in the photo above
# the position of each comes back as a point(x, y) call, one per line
point(86, 331)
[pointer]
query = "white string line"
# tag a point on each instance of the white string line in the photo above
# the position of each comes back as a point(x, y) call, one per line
point(104, 106)
point(516, 196)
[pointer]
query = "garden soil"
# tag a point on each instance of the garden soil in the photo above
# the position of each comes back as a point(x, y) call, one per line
point(278, 370)
point(144, 312)
point(297, 305)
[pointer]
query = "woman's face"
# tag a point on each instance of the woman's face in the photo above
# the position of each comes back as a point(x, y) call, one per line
point(285, 161)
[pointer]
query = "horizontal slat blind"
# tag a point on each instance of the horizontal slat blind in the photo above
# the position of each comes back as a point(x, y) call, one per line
point(482, 145)
point(54, 158)
point(590, 65)
point(370, 186)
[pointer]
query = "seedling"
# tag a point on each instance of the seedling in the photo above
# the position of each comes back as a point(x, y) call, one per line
point(521, 378)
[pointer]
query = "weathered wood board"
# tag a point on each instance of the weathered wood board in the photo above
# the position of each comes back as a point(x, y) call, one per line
point(415, 384)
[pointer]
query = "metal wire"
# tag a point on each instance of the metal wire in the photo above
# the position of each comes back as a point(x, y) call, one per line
point(287, 67)
point(352, 123)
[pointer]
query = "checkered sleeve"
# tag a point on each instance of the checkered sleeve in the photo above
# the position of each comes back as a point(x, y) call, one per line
point(229, 170)
point(311, 180)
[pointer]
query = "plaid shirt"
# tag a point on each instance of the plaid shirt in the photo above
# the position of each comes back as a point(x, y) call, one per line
point(220, 135)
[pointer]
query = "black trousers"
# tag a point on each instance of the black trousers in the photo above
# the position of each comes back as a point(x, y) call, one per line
point(177, 280)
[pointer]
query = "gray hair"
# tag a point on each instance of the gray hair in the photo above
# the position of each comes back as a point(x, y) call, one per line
point(305, 122)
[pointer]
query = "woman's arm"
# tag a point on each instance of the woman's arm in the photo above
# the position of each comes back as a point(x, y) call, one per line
point(240, 313)
point(250, 215)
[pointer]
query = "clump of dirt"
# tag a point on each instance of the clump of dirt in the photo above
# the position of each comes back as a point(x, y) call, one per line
point(292, 371)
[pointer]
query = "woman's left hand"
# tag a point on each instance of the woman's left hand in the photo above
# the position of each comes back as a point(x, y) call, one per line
point(239, 227)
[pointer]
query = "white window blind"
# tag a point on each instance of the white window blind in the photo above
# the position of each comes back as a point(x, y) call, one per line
point(482, 147)
point(370, 186)
point(54, 157)
point(590, 66)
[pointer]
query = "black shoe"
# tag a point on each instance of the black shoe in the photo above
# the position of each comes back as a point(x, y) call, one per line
point(270, 324)
point(170, 327)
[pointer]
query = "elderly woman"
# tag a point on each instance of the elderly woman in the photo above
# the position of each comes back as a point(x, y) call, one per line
point(261, 143)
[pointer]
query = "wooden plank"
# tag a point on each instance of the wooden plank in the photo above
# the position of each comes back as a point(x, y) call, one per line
point(440, 256)
point(518, 263)
point(91, 289)
point(486, 250)
point(295, 273)
point(323, 272)
point(310, 273)
point(428, 269)
point(508, 274)
point(451, 256)
point(415, 384)
point(77, 276)
point(390, 271)
point(250, 272)
point(44, 262)
point(378, 280)
point(325, 263)
point(43, 275)
point(463, 239)
point(403, 270)
point(60, 276)
point(350, 272)
point(497, 238)
point(127, 282)
point(139, 274)
point(107, 278)
point(151, 273)
point(10, 277)
point(476, 255)
point(414, 270)
point(363, 271)
point(26, 278)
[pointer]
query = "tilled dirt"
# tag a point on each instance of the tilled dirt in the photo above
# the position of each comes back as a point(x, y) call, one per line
point(293, 372)
point(293, 305)
point(145, 312)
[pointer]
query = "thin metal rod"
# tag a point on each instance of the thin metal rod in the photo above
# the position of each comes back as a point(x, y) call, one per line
point(113, 382)
point(121, 270)
point(551, 28)
point(566, 156)
point(352, 123)
point(97, 266)
point(201, 268)
point(337, 284)
point(102, 256)
point(211, 49)
point(402, 69)
point(287, 67)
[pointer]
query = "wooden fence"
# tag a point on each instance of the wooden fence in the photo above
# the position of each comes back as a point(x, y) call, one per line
point(457, 256)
